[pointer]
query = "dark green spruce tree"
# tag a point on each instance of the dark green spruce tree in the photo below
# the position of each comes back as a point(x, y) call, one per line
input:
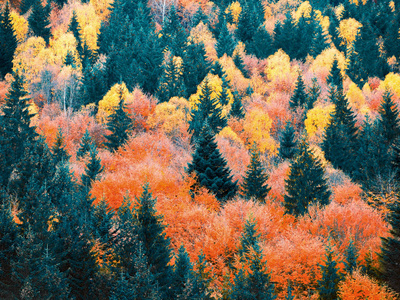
point(173, 34)
point(262, 44)
point(389, 122)
point(210, 168)
point(225, 42)
point(288, 145)
point(150, 232)
point(237, 109)
point(255, 182)
point(85, 145)
point(208, 110)
point(390, 254)
point(15, 130)
point(335, 78)
point(351, 256)
point(119, 124)
point(299, 96)
point(92, 170)
point(39, 20)
point(8, 42)
point(328, 285)
point(237, 59)
point(319, 42)
point(172, 81)
point(59, 148)
point(306, 184)
point(313, 94)
point(223, 96)
point(75, 28)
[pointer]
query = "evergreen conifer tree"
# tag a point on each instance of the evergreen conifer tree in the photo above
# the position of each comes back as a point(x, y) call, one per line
point(249, 239)
point(340, 139)
point(85, 145)
point(223, 96)
point(92, 170)
point(210, 168)
point(172, 81)
point(198, 17)
point(173, 33)
point(328, 285)
point(94, 83)
point(287, 148)
point(313, 93)
point(390, 254)
point(335, 78)
point(39, 20)
point(104, 224)
point(15, 130)
point(25, 5)
point(255, 182)
point(208, 110)
point(75, 28)
point(237, 110)
point(299, 96)
point(59, 151)
point(389, 121)
point(204, 277)
point(150, 232)
point(120, 125)
point(262, 44)
point(285, 36)
point(351, 256)
point(319, 42)
point(225, 42)
point(237, 59)
point(8, 42)
point(195, 66)
point(306, 184)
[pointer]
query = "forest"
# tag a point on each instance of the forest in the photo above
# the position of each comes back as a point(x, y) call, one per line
point(182, 149)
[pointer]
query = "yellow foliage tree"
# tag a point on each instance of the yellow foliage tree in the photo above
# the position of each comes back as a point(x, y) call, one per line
point(357, 99)
point(234, 75)
point(90, 24)
point(316, 122)
point(110, 101)
point(201, 33)
point(257, 126)
point(391, 83)
point(234, 9)
point(62, 45)
point(230, 135)
point(303, 10)
point(170, 116)
point(348, 29)
point(323, 62)
point(102, 8)
point(20, 26)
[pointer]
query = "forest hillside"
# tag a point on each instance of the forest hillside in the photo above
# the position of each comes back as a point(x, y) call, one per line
point(182, 149)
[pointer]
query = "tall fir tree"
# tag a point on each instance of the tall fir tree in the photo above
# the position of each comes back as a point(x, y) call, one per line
point(208, 110)
point(195, 66)
point(59, 148)
point(389, 122)
point(92, 170)
point(237, 109)
point(262, 44)
point(288, 145)
point(328, 285)
point(8, 42)
point(340, 140)
point(16, 131)
point(76, 29)
point(223, 96)
point(85, 145)
point(313, 93)
point(172, 81)
point(306, 183)
point(119, 124)
point(39, 20)
point(150, 232)
point(390, 252)
point(225, 42)
point(351, 256)
point(299, 96)
point(319, 42)
point(210, 168)
point(238, 61)
point(335, 78)
point(255, 182)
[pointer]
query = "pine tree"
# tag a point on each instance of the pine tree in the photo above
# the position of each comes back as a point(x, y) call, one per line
point(328, 285)
point(287, 148)
point(94, 83)
point(120, 125)
point(150, 231)
point(335, 78)
point(299, 96)
point(39, 20)
point(319, 41)
point(85, 145)
point(390, 39)
point(285, 36)
point(208, 110)
point(237, 59)
point(25, 5)
point(210, 168)
point(104, 224)
point(8, 42)
point(223, 96)
point(306, 184)
point(184, 282)
point(340, 139)
point(390, 254)
point(92, 170)
point(262, 44)
point(389, 119)
point(198, 17)
point(195, 66)
point(173, 34)
point(172, 81)
point(313, 94)
point(237, 110)
point(255, 182)
point(351, 257)
point(59, 148)
point(15, 130)
point(76, 29)
point(204, 277)
point(225, 42)
point(8, 244)
point(255, 284)
point(249, 239)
